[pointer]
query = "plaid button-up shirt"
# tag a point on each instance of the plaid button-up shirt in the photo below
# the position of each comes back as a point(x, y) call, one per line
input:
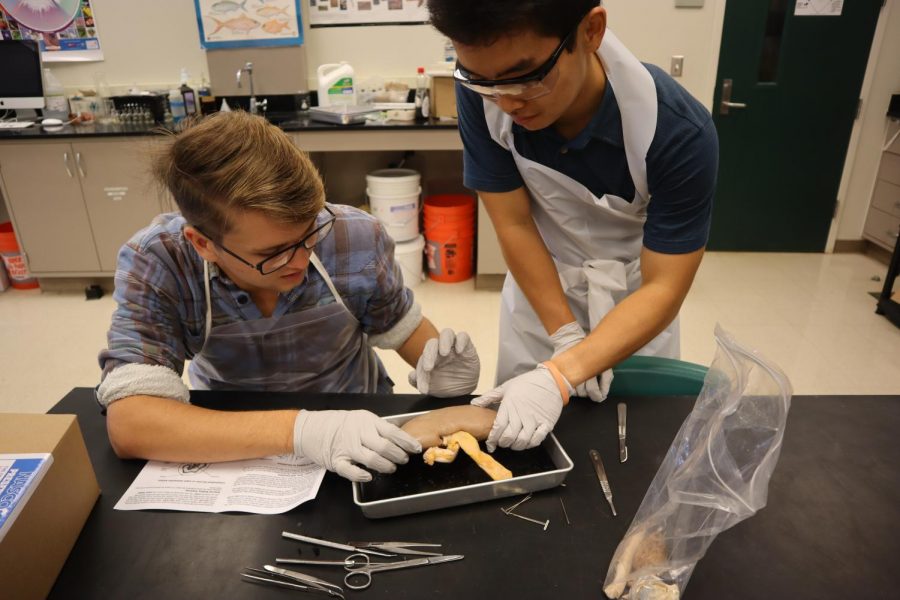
point(161, 313)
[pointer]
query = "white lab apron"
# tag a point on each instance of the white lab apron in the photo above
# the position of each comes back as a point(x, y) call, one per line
point(595, 242)
point(319, 349)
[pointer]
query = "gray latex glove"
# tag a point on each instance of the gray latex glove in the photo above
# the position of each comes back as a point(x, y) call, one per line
point(449, 366)
point(530, 405)
point(570, 335)
point(336, 439)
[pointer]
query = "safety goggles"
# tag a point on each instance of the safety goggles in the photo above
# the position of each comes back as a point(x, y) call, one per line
point(533, 84)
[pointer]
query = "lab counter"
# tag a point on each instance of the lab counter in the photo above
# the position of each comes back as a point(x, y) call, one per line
point(431, 135)
point(831, 528)
point(76, 195)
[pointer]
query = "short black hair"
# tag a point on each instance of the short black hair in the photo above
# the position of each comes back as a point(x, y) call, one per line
point(483, 22)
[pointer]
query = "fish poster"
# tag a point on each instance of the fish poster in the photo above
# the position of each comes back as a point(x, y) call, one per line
point(334, 13)
point(249, 23)
point(65, 29)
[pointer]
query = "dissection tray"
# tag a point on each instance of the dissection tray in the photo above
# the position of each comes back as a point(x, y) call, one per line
point(416, 487)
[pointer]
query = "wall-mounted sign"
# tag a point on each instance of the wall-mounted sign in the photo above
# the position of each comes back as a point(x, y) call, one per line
point(331, 13)
point(249, 23)
point(819, 8)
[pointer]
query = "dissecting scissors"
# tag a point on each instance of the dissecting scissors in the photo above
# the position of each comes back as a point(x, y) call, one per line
point(359, 577)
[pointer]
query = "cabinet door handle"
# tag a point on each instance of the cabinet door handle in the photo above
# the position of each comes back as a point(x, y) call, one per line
point(78, 164)
point(893, 234)
point(66, 163)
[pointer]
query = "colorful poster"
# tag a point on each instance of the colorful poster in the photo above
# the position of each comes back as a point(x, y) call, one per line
point(65, 29)
point(245, 23)
point(333, 13)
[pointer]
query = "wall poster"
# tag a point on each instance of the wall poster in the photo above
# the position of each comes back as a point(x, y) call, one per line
point(65, 29)
point(249, 23)
point(333, 13)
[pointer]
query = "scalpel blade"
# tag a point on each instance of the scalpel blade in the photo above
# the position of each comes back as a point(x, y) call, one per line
point(601, 477)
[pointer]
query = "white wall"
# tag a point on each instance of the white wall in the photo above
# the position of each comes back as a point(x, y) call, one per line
point(882, 80)
point(143, 42)
point(654, 30)
point(148, 42)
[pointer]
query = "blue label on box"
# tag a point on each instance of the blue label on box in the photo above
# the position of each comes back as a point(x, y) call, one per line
point(20, 474)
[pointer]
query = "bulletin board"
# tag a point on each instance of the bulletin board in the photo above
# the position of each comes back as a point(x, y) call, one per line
point(66, 30)
point(249, 23)
point(335, 13)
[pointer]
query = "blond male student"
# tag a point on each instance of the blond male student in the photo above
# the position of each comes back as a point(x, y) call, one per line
point(264, 286)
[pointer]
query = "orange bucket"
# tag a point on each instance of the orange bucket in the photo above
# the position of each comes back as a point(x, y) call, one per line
point(450, 236)
point(13, 259)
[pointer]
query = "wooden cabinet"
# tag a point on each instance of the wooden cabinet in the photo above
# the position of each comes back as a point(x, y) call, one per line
point(75, 203)
point(883, 220)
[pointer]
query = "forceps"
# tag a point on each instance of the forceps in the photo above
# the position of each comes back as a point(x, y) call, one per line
point(398, 547)
point(293, 580)
point(360, 577)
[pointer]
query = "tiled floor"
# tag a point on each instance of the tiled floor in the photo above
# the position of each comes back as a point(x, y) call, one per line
point(810, 313)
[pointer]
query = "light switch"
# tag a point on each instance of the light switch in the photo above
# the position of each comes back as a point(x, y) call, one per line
point(688, 3)
point(677, 68)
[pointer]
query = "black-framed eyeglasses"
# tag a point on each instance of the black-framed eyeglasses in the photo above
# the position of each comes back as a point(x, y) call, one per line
point(533, 84)
point(272, 263)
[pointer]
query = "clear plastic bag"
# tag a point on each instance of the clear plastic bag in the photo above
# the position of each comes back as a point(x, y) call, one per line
point(715, 475)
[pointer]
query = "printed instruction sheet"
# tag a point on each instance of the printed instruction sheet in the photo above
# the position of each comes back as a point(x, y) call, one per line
point(268, 486)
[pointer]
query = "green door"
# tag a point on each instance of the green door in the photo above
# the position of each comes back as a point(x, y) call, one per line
point(794, 82)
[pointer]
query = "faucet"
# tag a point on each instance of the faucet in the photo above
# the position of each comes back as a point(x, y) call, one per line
point(254, 105)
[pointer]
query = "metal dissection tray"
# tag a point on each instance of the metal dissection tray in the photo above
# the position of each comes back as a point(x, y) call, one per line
point(342, 115)
point(416, 487)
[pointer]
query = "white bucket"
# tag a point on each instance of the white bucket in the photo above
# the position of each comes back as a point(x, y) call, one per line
point(393, 182)
point(409, 256)
point(399, 213)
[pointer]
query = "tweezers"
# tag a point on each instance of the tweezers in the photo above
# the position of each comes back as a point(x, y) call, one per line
point(293, 580)
point(398, 547)
point(623, 447)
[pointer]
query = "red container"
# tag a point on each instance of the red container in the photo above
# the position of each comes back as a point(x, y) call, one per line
point(14, 261)
point(450, 236)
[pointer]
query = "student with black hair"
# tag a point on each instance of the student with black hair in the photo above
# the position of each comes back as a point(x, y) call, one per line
point(598, 174)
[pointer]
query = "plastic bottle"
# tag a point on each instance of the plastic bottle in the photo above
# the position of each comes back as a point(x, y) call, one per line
point(56, 104)
point(449, 52)
point(188, 94)
point(176, 103)
point(422, 102)
point(336, 85)
point(206, 98)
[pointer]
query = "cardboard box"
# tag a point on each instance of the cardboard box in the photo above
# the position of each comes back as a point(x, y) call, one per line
point(37, 543)
point(443, 96)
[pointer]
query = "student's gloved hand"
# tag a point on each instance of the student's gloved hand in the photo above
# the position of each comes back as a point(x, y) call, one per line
point(570, 335)
point(530, 405)
point(336, 439)
point(449, 366)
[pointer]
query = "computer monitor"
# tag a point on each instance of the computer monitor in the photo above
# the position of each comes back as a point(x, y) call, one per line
point(21, 79)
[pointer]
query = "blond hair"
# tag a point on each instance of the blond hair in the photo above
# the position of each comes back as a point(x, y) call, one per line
point(234, 162)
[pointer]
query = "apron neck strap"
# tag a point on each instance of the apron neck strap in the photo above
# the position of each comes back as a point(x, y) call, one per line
point(321, 269)
point(208, 301)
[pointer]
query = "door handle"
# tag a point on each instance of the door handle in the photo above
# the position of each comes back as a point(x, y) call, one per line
point(66, 163)
point(78, 164)
point(726, 104)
